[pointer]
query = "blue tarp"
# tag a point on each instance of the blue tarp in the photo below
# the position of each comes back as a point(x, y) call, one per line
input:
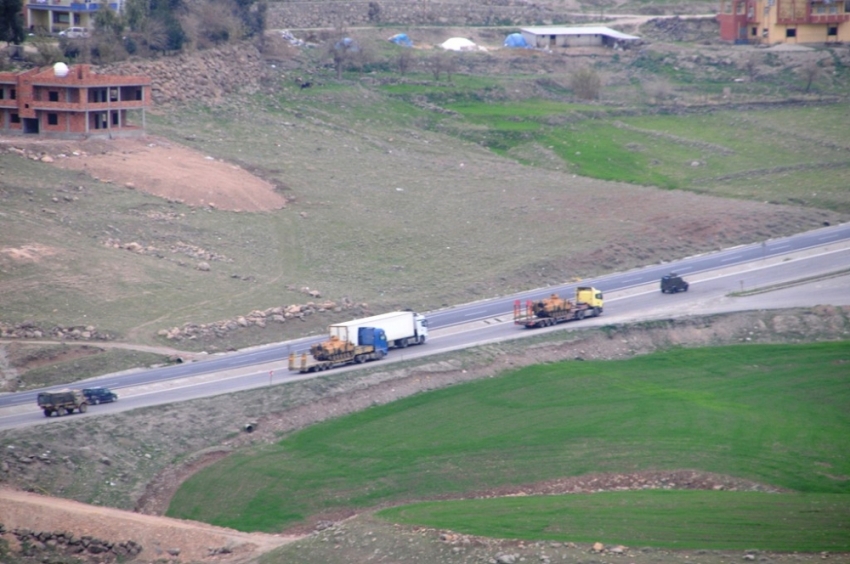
point(401, 39)
point(515, 40)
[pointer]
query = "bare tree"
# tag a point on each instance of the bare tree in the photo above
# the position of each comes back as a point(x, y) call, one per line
point(751, 67)
point(154, 35)
point(436, 64)
point(365, 55)
point(586, 83)
point(46, 51)
point(344, 51)
point(374, 12)
point(404, 61)
point(208, 24)
point(449, 65)
point(658, 90)
point(809, 73)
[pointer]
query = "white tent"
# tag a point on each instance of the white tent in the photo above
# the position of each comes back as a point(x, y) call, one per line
point(459, 44)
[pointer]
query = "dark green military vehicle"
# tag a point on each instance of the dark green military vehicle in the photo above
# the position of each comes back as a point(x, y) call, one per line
point(672, 283)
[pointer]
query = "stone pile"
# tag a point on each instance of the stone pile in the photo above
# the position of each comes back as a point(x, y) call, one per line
point(187, 249)
point(208, 76)
point(257, 318)
point(35, 544)
point(32, 330)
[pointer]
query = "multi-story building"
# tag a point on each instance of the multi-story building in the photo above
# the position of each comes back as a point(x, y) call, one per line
point(56, 15)
point(784, 21)
point(74, 102)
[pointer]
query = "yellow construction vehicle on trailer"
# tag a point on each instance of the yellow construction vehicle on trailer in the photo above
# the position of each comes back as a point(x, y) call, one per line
point(370, 344)
point(554, 309)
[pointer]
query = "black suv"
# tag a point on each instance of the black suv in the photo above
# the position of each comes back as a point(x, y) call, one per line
point(99, 395)
point(672, 283)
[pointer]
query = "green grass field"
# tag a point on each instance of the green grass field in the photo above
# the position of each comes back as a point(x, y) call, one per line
point(670, 519)
point(771, 414)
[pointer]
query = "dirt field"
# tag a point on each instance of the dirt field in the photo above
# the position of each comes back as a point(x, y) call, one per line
point(160, 537)
point(165, 169)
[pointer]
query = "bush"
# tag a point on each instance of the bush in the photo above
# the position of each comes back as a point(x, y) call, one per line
point(586, 84)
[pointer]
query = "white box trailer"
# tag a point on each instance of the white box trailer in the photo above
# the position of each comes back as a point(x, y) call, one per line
point(403, 328)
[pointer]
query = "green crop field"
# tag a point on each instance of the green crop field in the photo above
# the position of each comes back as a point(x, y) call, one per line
point(673, 519)
point(771, 414)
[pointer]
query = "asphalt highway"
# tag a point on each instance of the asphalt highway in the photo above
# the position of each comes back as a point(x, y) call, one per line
point(629, 296)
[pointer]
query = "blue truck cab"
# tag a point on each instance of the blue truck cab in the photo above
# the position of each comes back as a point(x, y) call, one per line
point(374, 336)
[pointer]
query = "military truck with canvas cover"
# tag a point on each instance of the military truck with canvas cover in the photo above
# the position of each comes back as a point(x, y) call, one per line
point(62, 402)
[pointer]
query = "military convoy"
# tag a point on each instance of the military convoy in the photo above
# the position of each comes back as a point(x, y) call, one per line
point(554, 309)
point(68, 401)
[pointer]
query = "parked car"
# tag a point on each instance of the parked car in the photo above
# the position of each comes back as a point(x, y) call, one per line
point(672, 283)
point(99, 395)
point(74, 32)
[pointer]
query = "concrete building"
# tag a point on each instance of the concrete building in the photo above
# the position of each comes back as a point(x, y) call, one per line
point(73, 103)
point(784, 21)
point(550, 37)
point(53, 16)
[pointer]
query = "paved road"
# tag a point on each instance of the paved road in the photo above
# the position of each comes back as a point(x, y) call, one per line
point(629, 296)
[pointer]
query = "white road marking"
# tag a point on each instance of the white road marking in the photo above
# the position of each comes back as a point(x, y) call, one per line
point(476, 312)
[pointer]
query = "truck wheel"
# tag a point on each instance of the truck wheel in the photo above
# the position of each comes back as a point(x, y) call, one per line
point(83, 408)
point(359, 359)
point(597, 311)
point(47, 413)
point(402, 343)
point(580, 314)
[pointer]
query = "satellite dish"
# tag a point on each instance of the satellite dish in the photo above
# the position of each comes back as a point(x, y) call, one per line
point(60, 70)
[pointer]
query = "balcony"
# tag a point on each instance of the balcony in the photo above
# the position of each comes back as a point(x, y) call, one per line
point(815, 19)
point(70, 6)
point(85, 106)
point(828, 18)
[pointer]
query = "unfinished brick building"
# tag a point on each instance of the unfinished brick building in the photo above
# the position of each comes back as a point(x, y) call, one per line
point(784, 21)
point(73, 103)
